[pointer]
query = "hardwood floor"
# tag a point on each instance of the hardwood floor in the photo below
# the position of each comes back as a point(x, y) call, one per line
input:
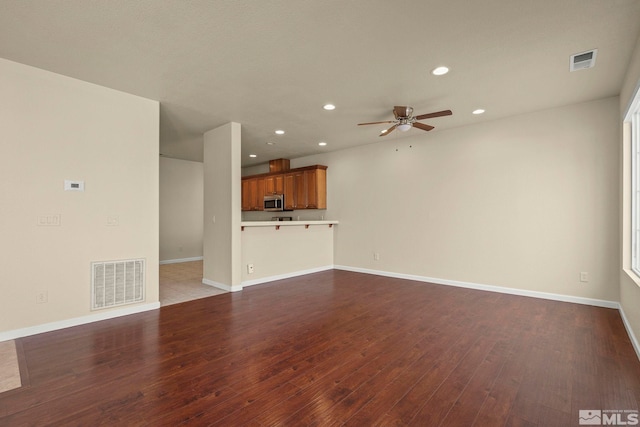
point(333, 348)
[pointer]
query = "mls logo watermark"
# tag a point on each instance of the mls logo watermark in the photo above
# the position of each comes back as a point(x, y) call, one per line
point(590, 417)
point(608, 417)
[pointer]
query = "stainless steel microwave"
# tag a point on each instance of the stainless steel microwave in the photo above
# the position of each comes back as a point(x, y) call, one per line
point(273, 203)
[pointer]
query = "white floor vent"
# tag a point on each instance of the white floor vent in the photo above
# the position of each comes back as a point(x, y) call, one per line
point(116, 283)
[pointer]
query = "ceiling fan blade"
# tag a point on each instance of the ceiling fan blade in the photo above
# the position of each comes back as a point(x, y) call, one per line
point(387, 131)
point(432, 115)
point(376, 123)
point(401, 111)
point(422, 126)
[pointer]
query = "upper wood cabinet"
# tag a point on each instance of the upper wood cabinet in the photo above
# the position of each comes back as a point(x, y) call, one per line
point(259, 198)
point(289, 191)
point(316, 183)
point(253, 191)
point(306, 188)
point(274, 184)
point(303, 188)
point(246, 195)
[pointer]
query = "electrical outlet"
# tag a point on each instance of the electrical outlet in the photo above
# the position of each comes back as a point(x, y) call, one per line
point(584, 276)
point(42, 297)
point(376, 256)
point(250, 268)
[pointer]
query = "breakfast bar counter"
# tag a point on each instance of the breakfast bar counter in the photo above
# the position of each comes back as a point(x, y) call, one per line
point(286, 223)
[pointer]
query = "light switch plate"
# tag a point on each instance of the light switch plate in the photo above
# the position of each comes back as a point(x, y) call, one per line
point(49, 220)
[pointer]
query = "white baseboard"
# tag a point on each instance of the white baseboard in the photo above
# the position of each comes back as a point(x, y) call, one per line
point(222, 286)
point(179, 260)
point(265, 279)
point(632, 336)
point(491, 288)
point(76, 321)
point(286, 275)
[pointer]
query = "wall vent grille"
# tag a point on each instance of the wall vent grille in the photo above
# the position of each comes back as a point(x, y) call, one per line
point(117, 283)
point(583, 60)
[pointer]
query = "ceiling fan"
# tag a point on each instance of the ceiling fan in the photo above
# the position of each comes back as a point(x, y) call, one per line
point(405, 120)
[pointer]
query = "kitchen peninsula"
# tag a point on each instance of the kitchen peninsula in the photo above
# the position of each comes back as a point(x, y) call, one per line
point(273, 250)
point(276, 244)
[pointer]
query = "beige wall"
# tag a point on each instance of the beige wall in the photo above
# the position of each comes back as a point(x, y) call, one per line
point(55, 128)
point(527, 202)
point(632, 79)
point(181, 209)
point(629, 283)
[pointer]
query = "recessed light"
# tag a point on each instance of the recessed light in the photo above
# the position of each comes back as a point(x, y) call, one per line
point(478, 111)
point(279, 132)
point(253, 156)
point(440, 71)
point(322, 144)
point(271, 143)
point(329, 107)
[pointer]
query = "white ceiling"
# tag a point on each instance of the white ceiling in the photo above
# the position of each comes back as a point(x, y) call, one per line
point(273, 64)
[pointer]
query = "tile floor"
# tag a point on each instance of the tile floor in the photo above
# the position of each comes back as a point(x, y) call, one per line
point(183, 282)
point(9, 371)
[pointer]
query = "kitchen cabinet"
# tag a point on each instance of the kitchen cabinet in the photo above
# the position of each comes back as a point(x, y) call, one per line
point(316, 188)
point(300, 192)
point(274, 184)
point(306, 189)
point(259, 194)
point(303, 188)
point(246, 195)
point(289, 191)
point(253, 191)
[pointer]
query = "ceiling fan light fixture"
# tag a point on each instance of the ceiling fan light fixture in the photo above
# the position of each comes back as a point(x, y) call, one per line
point(405, 120)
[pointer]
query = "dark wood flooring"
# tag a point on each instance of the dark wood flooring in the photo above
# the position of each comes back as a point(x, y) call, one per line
point(328, 349)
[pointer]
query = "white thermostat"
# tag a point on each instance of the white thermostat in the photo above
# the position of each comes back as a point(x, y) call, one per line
point(73, 185)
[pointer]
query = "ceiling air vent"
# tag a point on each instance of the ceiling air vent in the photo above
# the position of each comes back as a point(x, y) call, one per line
point(584, 60)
